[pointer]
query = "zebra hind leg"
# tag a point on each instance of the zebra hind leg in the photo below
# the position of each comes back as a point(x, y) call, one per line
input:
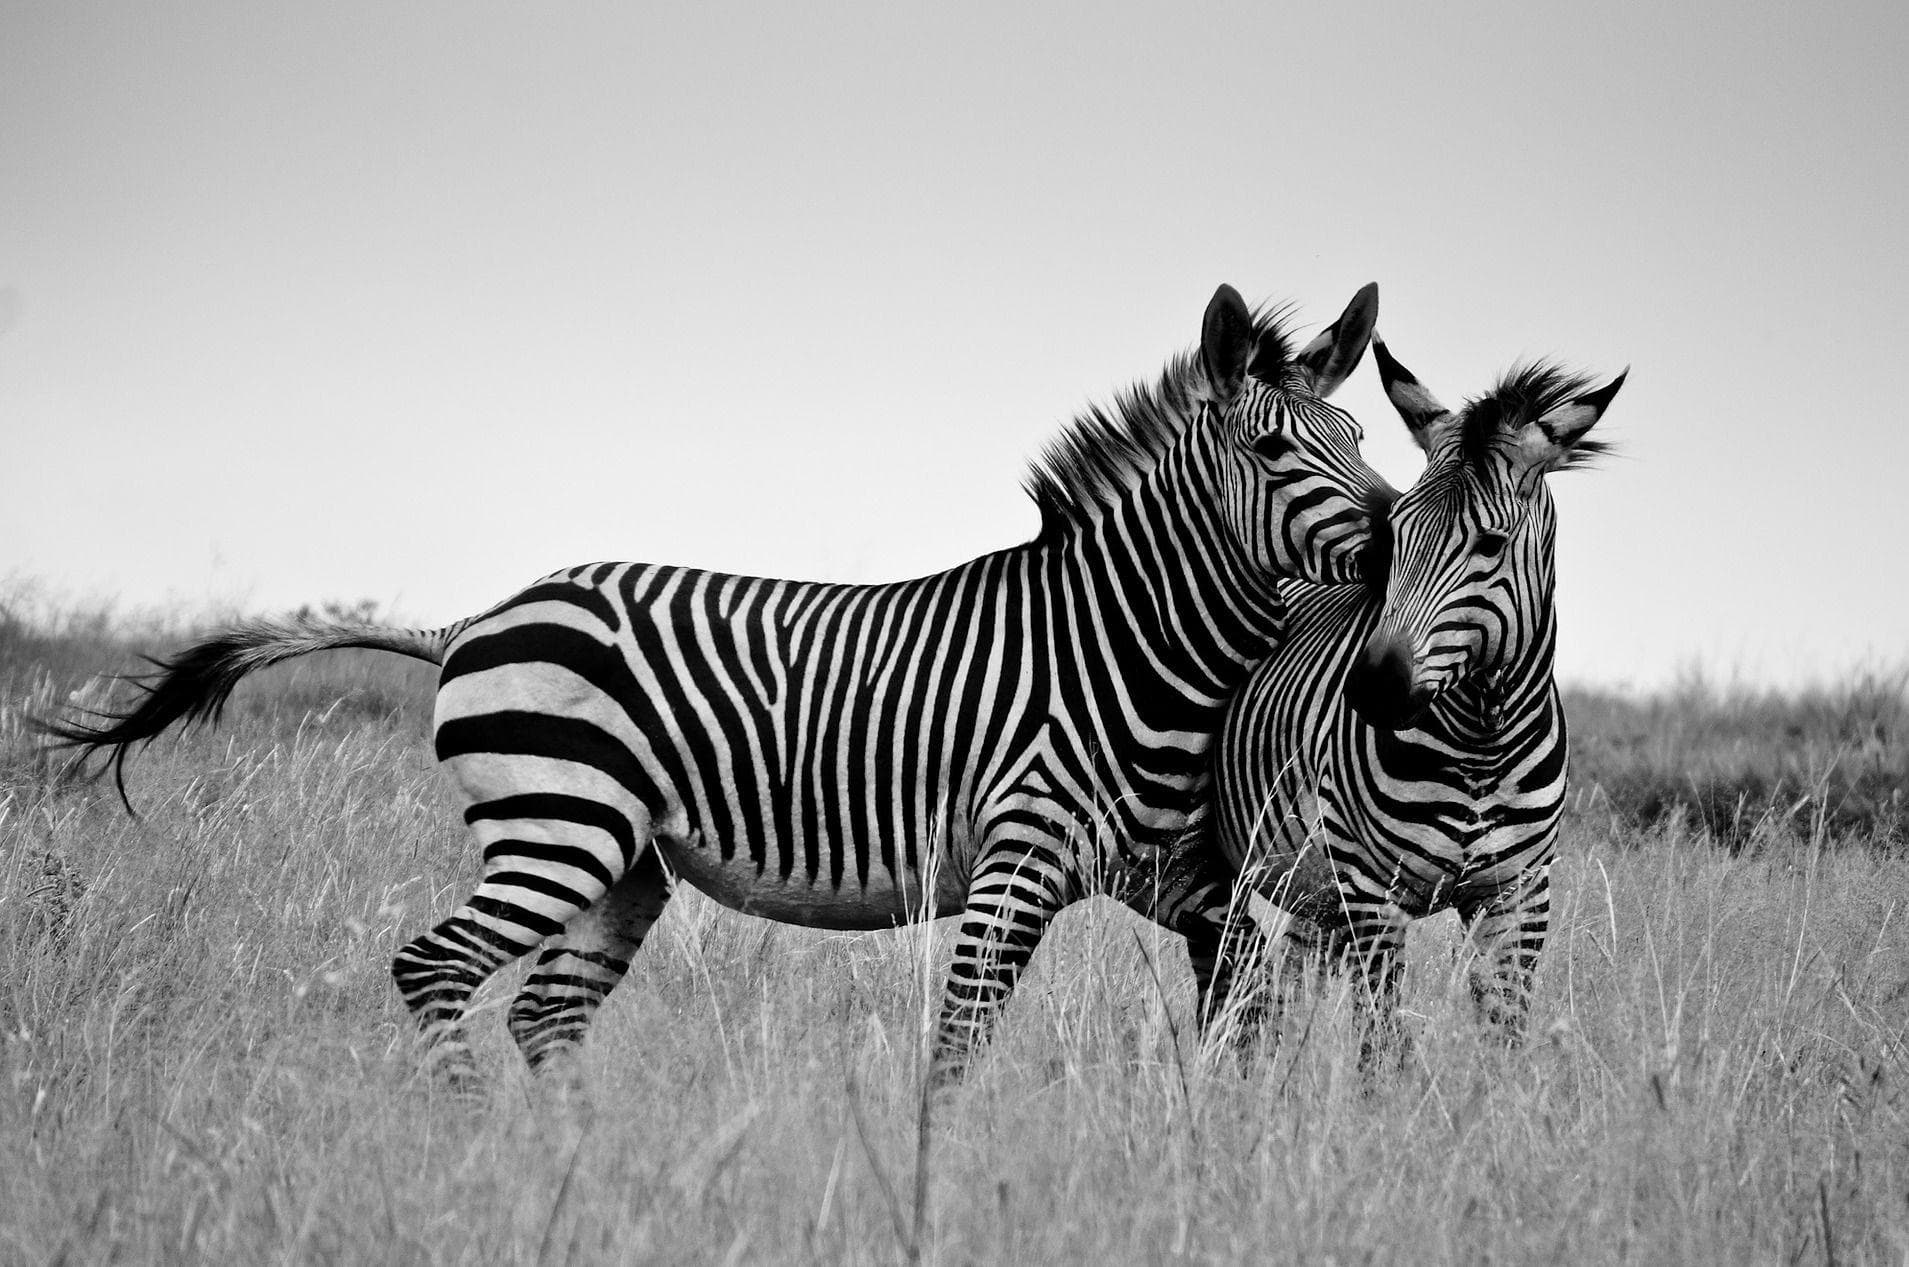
point(1508, 934)
point(1015, 893)
point(577, 971)
point(546, 860)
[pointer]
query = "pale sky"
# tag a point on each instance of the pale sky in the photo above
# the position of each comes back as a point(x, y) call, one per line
point(419, 302)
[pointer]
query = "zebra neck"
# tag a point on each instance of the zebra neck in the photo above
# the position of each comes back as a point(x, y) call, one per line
point(1487, 709)
point(1171, 579)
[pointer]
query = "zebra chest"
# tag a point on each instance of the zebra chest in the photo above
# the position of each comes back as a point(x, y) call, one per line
point(1479, 812)
point(1438, 827)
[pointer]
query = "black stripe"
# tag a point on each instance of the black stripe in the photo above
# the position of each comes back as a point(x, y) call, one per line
point(560, 808)
point(741, 721)
point(937, 630)
point(667, 716)
point(556, 738)
point(539, 851)
point(539, 925)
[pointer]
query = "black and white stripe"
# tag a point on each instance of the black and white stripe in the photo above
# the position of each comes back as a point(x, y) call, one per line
point(1029, 726)
point(1406, 754)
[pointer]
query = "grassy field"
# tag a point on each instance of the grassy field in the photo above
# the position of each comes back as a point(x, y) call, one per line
point(204, 1059)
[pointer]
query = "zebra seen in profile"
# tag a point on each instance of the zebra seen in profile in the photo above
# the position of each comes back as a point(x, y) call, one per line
point(1407, 754)
point(1029, 726)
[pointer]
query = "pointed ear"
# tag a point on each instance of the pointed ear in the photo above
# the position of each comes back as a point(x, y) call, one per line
point(1554, 438)
point(1330, 359)
point(1420, 409)
point(1226, 340)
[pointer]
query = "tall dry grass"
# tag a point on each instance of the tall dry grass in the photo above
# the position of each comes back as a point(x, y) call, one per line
point(204, 1060)
point(1743, 764)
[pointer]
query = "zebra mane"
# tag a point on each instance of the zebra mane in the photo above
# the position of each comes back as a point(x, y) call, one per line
point(1105, 452)
point(1525, 393)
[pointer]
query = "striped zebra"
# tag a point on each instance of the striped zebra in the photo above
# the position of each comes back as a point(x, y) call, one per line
point(1027, 727)
point(1406, 754)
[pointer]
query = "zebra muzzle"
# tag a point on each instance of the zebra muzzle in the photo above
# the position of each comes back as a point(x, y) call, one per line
point(1379, 685)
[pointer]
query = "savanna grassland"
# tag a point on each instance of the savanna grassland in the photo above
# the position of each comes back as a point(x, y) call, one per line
point(202, 1058)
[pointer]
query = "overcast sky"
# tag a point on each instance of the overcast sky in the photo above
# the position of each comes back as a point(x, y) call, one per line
point(418, 302)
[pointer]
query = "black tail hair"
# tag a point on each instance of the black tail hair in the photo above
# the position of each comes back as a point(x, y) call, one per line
point(194, 685)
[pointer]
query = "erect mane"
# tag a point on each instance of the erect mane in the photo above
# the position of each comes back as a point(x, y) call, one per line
point(1105, 452)
point(1524, 394)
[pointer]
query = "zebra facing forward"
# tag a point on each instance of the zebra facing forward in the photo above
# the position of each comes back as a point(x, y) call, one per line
point(1028, 726)
point(1402, 756)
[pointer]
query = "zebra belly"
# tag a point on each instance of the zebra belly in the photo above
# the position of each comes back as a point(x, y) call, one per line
point(883, 902)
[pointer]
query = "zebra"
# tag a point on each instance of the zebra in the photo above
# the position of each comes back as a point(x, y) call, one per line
point(1405, 750)
point(1025, 727)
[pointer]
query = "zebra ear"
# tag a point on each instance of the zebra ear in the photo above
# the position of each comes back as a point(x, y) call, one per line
point(1415, 403)
point(1330, 359)
point(1557, 437)
point(1226, 340)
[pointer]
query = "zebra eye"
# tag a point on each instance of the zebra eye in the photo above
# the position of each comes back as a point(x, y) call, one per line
point(1272, 446)
point(1491, 544)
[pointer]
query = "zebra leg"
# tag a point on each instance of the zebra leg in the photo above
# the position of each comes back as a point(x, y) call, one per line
point(547, 858)
point(1245, 973)
point(1372, 948)
point(577, 971)
point(1210, 956)
point(1508, 931)
point(1303, 957)
point(1187, 891)
point(1229, 957)
point(1014, 894)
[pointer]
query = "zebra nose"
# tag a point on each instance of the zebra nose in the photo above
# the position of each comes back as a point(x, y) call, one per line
point(1379, 686)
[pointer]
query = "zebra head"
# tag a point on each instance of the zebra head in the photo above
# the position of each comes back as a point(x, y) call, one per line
point(1469, 594)
point(1298, 497)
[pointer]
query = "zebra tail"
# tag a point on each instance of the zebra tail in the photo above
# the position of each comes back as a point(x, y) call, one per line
point(193, 686)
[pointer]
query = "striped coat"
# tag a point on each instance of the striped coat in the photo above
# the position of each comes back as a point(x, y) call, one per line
point(1405, 752)
point(1000, 739)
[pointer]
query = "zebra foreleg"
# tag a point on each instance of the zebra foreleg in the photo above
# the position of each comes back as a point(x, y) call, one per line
point(1236, 1001)
point(1372, 951)
point(1013, 895)
point(1189, 892)
point(1508, 933)
point(1251, 960)
point(577, 971)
